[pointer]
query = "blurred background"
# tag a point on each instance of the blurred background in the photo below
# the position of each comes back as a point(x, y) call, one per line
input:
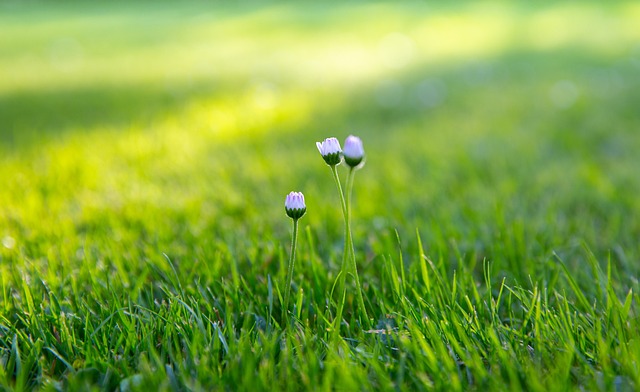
point(501, 131)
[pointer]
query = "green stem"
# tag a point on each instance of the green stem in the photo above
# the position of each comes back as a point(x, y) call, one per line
point(343, 203)
point(354, 267)
point(292, 259)
point(345, 255)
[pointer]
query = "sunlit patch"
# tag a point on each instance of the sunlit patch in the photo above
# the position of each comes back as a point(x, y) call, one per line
point(396, 50)
point(590, 29)
point(66, 54)
point(209, 48)
point(337, 63)
point(265, 95)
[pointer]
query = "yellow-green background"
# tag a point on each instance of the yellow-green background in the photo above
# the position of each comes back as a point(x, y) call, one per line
point(504, 132)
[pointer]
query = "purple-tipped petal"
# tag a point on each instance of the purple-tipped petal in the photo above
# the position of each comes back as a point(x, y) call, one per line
point(332, 146)
point(294, 205)
point(330, 151)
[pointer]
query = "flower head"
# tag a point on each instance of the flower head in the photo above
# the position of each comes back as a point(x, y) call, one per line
point(330, 151)
point(353, 151)
point(294, 205)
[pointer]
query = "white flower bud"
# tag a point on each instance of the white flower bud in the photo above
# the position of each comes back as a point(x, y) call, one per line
point(353, 151)
point(330, 151)
point(294, 205)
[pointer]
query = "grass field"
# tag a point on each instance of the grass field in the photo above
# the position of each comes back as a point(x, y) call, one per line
point(146, 150)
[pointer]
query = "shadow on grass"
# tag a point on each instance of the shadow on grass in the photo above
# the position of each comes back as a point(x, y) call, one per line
point(524, 81)
point(33, 117)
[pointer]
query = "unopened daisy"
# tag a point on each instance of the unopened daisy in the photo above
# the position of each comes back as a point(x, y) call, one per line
point(294, 205)
point(353, 151)
point(295, 208)
point(332, 154)
point(330, 151)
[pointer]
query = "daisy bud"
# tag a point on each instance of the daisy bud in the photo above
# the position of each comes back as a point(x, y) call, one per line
point(353, 151)
point(294, 205)
point(330, 151)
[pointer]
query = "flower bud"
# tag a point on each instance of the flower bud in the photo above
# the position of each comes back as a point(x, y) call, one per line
point(294, 205)
point(330, 151)
point(353, 151)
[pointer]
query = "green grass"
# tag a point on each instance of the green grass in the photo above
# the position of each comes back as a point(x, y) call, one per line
point(146, 151)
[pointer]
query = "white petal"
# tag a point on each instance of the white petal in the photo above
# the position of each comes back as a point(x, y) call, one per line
point(332, 146)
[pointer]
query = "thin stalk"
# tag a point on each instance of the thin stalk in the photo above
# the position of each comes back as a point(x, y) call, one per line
point(292, 259)
point(345, 255)
point(354, 267)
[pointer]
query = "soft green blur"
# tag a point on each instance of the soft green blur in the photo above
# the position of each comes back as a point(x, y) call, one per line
point(174, 128)
point(146, 150)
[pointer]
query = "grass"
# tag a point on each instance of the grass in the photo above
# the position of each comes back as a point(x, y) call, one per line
point(146, 151)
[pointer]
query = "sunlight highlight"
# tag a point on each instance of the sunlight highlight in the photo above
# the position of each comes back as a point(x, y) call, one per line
point(207, 48)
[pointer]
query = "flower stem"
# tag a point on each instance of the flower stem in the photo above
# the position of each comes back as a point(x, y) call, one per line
point(354, 267)
point(345, 255)
point(292, 259)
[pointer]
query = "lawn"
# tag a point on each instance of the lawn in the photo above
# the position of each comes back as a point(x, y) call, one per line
point(146, 150)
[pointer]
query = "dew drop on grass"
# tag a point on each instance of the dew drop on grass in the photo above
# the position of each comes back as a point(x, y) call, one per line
point(8, 242)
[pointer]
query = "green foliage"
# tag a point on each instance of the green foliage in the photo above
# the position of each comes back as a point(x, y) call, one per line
point(146, 151)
